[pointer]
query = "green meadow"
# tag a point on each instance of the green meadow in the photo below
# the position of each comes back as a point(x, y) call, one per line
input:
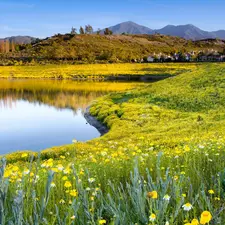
point(93, 71)
point(161, 163)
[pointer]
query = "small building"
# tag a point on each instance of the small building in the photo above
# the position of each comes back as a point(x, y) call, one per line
point(176, 56)
point(150, 59)
point(203, 58)
point(215, 57)
point(212, 57)
point(188, 57)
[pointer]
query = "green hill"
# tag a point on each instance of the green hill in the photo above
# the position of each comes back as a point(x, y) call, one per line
point(109, 48)
point(188, 106)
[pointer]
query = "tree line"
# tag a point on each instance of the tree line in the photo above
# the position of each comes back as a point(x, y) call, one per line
point(88, 29)
point(7, 46)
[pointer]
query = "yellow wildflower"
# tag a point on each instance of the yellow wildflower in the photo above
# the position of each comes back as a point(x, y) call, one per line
point(205, 217)
point(31, 174)
point(73, 193)
point(152, 194)
point(194, 222)
point(102, 222)
point(24, 155)
point(55, 170)
point(187, 148)
point(15, 168)
point(92, 210)
point(7, 173)
point(211, 192)
point(67, 170)
point(67, 184)
point(64, 178)
point(81, 172)
point(48, 163)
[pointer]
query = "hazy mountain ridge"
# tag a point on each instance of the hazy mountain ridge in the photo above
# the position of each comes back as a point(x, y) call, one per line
point(188, 31)
point(19, 39)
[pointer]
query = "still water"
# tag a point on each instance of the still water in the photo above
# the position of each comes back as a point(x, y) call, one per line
point(38, 114)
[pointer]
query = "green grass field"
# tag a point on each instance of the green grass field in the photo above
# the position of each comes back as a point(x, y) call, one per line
point(162, 162)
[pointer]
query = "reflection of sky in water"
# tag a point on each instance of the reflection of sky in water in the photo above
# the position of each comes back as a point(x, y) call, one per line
point(31, 126)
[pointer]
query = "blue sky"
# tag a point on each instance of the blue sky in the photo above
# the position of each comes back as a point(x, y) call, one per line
point(41, 18)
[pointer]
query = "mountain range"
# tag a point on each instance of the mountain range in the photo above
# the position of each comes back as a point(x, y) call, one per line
point(19, 39)
point(188, 31)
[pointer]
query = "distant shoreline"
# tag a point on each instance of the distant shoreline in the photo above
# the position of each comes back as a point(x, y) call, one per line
point(123, 71)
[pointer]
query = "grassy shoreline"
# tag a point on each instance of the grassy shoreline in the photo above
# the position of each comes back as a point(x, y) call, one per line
point(110, 113)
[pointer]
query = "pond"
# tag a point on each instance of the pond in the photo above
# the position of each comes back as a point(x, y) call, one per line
point(39, 114)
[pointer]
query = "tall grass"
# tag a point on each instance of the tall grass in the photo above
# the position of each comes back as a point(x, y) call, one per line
point(62, 192)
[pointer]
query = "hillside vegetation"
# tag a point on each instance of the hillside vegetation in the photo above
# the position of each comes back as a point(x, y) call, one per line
point(92, 48)
point(190, 105)
point(162, 161)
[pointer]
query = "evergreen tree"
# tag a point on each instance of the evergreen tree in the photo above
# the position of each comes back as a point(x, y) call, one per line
point(73, 31)
point(2, 46)
point(88, 29)
point(81, 30)
point(7, 46)
point(108, 31)
point(98, 31)
point(12, 47)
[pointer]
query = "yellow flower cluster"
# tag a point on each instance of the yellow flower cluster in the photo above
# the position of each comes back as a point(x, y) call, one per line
point(206, 217)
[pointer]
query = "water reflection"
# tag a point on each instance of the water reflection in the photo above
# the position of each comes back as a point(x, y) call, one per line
point(37, 114)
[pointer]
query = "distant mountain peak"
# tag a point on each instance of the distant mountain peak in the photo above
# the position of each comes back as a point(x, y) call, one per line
point(131, 22)
point(131, 28)
point(188, 25)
